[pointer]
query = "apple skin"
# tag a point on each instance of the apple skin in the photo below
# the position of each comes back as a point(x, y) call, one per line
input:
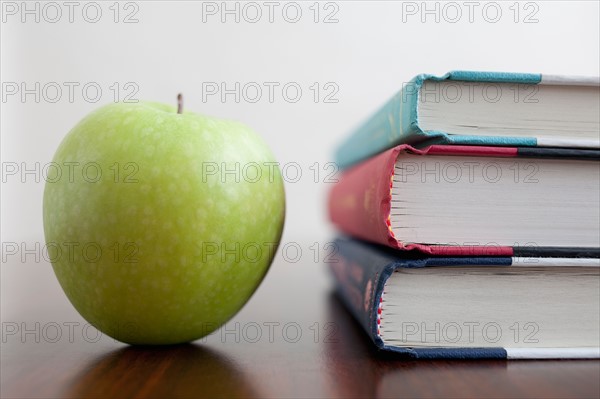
point(182, 248)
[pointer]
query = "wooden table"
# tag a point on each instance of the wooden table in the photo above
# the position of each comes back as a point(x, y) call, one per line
point(293, 339)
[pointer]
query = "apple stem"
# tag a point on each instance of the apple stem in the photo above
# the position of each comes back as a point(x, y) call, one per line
point(179, 103)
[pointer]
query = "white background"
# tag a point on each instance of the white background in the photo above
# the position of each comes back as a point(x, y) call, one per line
point(174, 47)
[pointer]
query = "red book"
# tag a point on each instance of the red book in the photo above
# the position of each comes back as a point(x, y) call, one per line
point(473, 201)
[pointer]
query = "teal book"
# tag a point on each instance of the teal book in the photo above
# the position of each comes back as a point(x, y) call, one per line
point(482, 108)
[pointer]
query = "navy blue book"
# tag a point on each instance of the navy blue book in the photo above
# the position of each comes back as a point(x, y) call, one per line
point(471, 307)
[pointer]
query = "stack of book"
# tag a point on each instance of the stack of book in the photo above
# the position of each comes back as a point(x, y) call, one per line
point(470, 208)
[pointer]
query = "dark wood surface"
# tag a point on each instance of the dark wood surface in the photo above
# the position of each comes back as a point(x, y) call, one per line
point(331, 358)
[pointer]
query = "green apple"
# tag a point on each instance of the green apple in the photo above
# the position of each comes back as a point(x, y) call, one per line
point(160, 224)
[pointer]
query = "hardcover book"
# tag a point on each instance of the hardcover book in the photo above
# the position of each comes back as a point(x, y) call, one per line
point(482, 108)
point(474, 201)
point(470, 307)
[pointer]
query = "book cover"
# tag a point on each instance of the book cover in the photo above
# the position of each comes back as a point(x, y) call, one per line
point(397, 121)
point(360, 203)
point(361, 271)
